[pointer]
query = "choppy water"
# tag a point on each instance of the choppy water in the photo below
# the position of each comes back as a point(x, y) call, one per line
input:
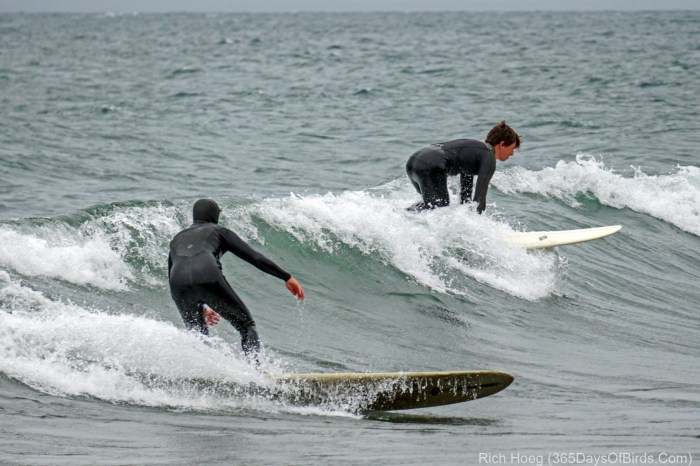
point(299, 126)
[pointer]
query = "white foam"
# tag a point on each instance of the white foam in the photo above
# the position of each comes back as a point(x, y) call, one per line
point(106, 252)
point(674, 198)
point(82, 261)
point(139, 235)
point(437, 248)
point(67, 350)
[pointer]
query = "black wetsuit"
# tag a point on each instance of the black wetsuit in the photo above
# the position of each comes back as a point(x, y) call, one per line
point(429, 168)
point(195, 275)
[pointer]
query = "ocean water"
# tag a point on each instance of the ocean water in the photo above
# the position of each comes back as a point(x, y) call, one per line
point(299, 125)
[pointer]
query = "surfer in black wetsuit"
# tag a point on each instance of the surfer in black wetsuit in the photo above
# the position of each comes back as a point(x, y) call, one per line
point(197, 284)
point(429, 168)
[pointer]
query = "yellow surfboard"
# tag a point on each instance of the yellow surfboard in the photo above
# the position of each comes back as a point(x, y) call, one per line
point(390, 391)
point(356, 392)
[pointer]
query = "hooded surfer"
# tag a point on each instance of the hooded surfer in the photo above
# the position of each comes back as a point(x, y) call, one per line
point(197, 284)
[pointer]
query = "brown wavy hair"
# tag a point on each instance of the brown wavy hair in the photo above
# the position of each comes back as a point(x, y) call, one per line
point(503, 132)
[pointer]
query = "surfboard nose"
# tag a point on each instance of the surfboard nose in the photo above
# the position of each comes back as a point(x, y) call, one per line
point(492, 382)
point(507, 379)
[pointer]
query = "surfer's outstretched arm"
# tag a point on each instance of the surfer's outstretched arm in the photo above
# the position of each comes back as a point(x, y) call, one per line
point(241, 249)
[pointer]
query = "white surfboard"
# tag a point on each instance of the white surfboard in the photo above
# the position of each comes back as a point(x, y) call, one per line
point(550, 239)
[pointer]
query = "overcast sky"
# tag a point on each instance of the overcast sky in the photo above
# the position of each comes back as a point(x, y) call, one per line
point(338, 5)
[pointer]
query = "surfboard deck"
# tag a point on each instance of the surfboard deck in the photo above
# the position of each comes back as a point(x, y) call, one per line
point(550, 239)
point(391, 391)
point(359, 392)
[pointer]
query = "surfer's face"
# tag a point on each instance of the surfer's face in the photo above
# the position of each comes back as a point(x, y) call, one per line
point(503, 152)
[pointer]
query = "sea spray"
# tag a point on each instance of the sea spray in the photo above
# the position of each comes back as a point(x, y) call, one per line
point(440, 249)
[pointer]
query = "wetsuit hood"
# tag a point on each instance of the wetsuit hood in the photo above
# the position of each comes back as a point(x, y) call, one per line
point(206, 210)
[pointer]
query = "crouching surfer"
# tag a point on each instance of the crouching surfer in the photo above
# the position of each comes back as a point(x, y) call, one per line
point(429, 167)
point(197, 284)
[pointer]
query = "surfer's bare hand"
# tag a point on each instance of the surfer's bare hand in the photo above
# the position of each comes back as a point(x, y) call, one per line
point(211, 316)
point(295, 288)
